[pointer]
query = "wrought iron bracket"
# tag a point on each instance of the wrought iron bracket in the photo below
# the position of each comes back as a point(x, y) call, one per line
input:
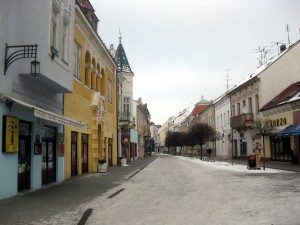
point(20, 52)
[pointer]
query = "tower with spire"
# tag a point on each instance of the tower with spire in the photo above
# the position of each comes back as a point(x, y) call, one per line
point(124, 99)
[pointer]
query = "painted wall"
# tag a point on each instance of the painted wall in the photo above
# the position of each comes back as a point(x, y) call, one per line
point(223, 145)
point(280, 74)
point(9, 161)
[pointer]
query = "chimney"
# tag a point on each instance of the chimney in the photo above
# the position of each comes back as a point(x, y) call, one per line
point(282, 48)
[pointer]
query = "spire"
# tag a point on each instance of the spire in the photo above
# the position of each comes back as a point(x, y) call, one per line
point(121, 59)
point(120, 36)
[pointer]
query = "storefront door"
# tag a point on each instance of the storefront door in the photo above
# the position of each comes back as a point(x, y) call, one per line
point(280, 148)
point(73, 154)
point(84, 153)
point(110, 151)
point(24, 156)
point(48, 155)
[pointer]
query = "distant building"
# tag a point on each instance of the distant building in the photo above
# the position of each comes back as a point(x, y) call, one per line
point(222, 126)
point(143, 128)
point(127, 134)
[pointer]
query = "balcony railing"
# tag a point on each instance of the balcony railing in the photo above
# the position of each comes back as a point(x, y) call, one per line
point(126, 117)
point(242, 121)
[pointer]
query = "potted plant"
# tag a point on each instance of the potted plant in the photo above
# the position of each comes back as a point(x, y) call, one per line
point(103, 166)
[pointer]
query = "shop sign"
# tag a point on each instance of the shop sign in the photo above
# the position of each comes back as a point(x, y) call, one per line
point(277, 122)
point(10, 134)
point(57, 118)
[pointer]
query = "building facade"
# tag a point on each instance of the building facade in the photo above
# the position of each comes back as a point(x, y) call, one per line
point(127, 145)
point(223, 129)
point(93, 100)
point(256, 91)
point(143, 128)
point(32, 99)
point(282, 115)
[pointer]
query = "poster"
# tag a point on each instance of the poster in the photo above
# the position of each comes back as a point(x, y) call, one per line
point(10, 134)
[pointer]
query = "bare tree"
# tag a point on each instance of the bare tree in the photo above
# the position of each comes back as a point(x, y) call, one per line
point(172, 140)
point(182, 140)
point(201, 133)
point(262, 128)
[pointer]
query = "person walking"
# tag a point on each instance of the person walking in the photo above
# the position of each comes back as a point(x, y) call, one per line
point(257, 152)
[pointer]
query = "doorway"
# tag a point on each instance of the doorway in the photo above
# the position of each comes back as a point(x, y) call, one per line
point(24, 156)
point(280, 148)
point(110, 145)
point(84, 153)
point(48, 155)
point(73, 153)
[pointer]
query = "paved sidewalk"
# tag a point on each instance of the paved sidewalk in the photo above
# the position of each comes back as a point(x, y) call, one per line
point(272, 165)
point(56, 198)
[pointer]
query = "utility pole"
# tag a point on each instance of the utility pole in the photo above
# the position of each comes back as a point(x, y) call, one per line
point(288, 31)
point(227, 79)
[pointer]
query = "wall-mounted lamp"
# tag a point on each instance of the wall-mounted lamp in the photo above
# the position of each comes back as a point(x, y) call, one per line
point(22, 51)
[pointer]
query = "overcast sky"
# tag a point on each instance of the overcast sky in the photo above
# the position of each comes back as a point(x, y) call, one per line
point(180, 50)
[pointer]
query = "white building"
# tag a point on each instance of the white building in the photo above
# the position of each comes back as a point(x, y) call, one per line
point(257, 90)
point(126, 120)
point(33, 102)
point(222, 121)
point(154, 135)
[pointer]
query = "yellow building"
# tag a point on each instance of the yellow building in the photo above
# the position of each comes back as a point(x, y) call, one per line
point(93, 101)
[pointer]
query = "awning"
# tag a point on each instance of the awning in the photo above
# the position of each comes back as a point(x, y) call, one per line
point(291, 130)
point(51, 116)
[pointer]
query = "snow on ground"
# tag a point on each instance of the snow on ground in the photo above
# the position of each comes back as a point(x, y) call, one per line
point(231, 166)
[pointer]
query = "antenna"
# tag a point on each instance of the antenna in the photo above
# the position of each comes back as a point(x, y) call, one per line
point(227, 79)
point(288, 31)
point(263, 52)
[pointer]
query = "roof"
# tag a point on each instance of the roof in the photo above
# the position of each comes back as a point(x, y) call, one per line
point(261, 69)
point(198, 109)
point(121, 59)
point(199, 106)
point(290, 94)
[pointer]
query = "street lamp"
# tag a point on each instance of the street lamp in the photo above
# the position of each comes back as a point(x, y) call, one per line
point(20, 52)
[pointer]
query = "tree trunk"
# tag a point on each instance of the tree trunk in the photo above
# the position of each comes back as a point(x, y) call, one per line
point(201, 152)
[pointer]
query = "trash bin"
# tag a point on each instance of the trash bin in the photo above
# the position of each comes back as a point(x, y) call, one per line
point(251, 164)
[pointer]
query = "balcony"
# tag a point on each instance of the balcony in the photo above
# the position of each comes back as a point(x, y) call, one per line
point(242, 121)
point(126, 118)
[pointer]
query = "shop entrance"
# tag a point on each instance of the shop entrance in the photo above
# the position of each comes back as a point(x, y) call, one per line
point(48, 155)
point(24, 156)
point(280, 148)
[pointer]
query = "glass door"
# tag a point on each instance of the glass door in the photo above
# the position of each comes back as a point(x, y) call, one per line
point(48, 155)
point(24, 162)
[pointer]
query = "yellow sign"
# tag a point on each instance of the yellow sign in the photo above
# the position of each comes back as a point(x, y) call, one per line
point(11, 134)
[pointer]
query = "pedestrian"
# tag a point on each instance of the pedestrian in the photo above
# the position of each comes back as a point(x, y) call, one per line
point(257, 152)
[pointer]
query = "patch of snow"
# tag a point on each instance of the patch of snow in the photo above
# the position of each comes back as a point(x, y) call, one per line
point(221, 165)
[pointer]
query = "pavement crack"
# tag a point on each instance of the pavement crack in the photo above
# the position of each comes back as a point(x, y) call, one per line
point(116, 193)
point(85, 216)
point(137, 172)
